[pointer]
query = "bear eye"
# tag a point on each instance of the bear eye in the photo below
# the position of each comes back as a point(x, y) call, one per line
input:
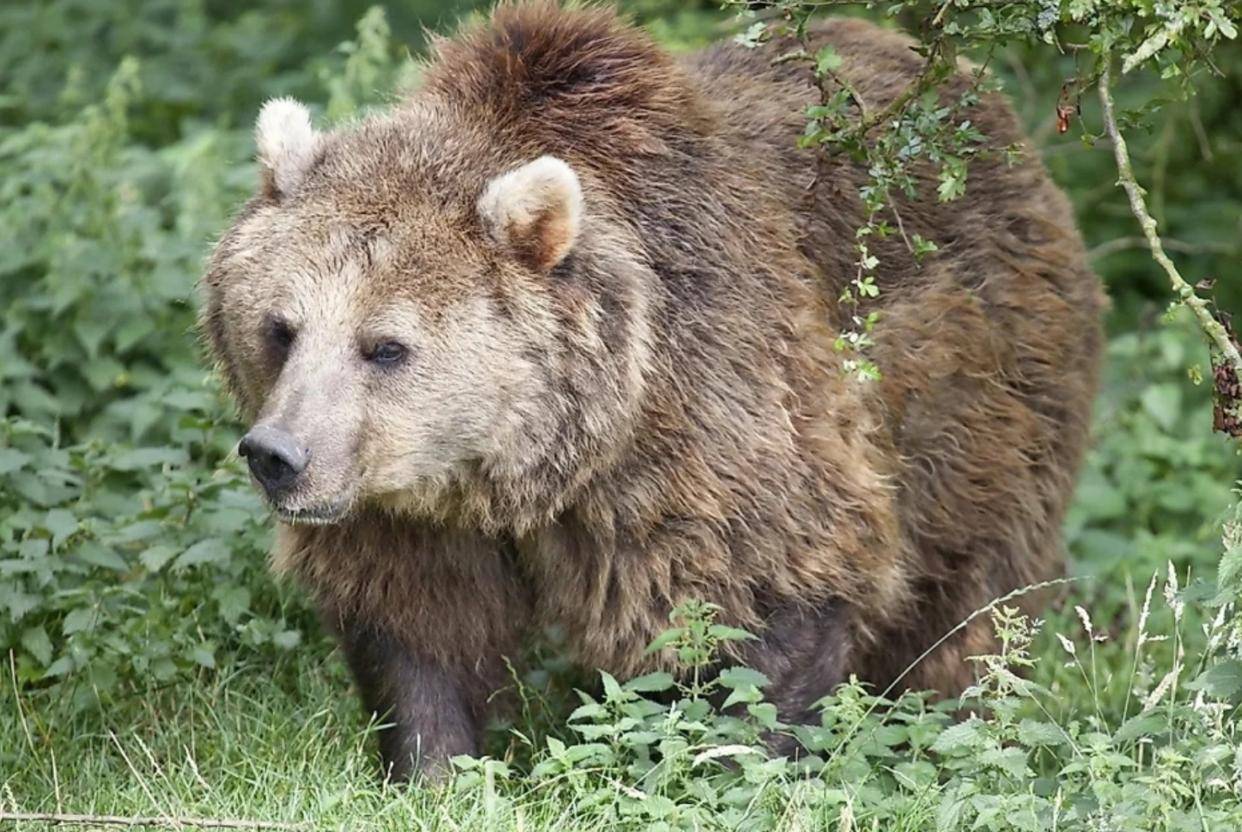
point(281, 333)
point(387, 353)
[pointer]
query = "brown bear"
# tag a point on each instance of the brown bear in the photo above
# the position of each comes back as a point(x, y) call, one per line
point(552, 343)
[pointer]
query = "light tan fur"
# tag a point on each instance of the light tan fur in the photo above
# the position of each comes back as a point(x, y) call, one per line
point(286, 142)
point(535, 209)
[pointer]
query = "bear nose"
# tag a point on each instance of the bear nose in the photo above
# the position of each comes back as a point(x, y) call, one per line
point(275, 457)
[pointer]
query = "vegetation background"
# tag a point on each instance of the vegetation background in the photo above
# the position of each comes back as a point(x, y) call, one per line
point(152, 667)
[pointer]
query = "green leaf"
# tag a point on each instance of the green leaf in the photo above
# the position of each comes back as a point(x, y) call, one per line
point(233, 601)
point(754, 35)
point(141, 458)
point(465, 762)
point(747, 693)
point(916, 775)
point(827, 60)
point(587, 751)
point(722, 632)
point(12, 460)
point(890, 735)
point(960, 738)
point(952, 179)
point(650, 683)
point(205, 551)
point(1163, 402)
point(78, 620)
point(658, 806)
point(1032, 733)
point(203, 655)
point(1143, 725)
point(96, 554)
point(62, 524)
point(737, 677)
point(33, 548)
point(155, 557)
point(142, 530)
point(612, 689)
point(1230, 568)
point(765, 714)
point(922, 247)
point(665, 639)
point(37, 643)
point(591, 710)
point(1222, 680)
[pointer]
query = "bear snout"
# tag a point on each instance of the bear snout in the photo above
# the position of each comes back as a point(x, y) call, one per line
point(276, 459)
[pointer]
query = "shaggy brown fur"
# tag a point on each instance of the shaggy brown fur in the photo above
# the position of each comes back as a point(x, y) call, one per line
point(602, 416)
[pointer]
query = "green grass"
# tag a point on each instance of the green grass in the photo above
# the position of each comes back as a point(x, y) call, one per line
point(283, 743)
point(286, 743)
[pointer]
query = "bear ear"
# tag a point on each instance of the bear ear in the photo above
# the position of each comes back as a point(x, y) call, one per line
point(535, 211)
point(287, 144)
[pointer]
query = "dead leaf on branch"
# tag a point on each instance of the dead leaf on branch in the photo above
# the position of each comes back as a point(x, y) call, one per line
point(1226, 389)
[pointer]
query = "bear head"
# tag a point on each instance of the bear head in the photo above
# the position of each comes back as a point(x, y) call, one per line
point(442, 310)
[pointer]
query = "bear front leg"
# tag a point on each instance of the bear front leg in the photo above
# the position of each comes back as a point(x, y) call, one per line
point(426, 616)
point(804, 653)
point(424, 706)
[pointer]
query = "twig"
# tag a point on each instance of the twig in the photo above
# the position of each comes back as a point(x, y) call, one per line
point(923, 81)
point(898, 105)
point(133, 770)
point(1211, 327)
point(159, 822)
point(901, 226)
point(17, 701)
point(1125, 243)
point(1196, 122)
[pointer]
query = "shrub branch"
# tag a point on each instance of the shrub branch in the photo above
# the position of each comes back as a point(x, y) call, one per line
point(1212, 328)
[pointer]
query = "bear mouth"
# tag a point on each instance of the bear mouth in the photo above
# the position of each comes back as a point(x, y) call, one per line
point(317, 516)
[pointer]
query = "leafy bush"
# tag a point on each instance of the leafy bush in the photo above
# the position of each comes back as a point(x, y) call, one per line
point(128, 565)
point(131, 545)
point(101, 241)
point(657, 754)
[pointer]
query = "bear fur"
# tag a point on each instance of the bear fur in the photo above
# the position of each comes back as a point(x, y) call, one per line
point(610, 279)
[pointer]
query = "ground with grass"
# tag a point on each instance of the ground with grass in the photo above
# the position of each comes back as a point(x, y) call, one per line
point(153, 669)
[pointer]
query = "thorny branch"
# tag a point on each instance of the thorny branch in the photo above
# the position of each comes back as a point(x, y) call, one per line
point(1219, 337)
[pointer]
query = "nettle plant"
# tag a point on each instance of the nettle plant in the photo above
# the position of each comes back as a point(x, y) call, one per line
point(132, 546)
point(692, 752)
point(659, 753)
